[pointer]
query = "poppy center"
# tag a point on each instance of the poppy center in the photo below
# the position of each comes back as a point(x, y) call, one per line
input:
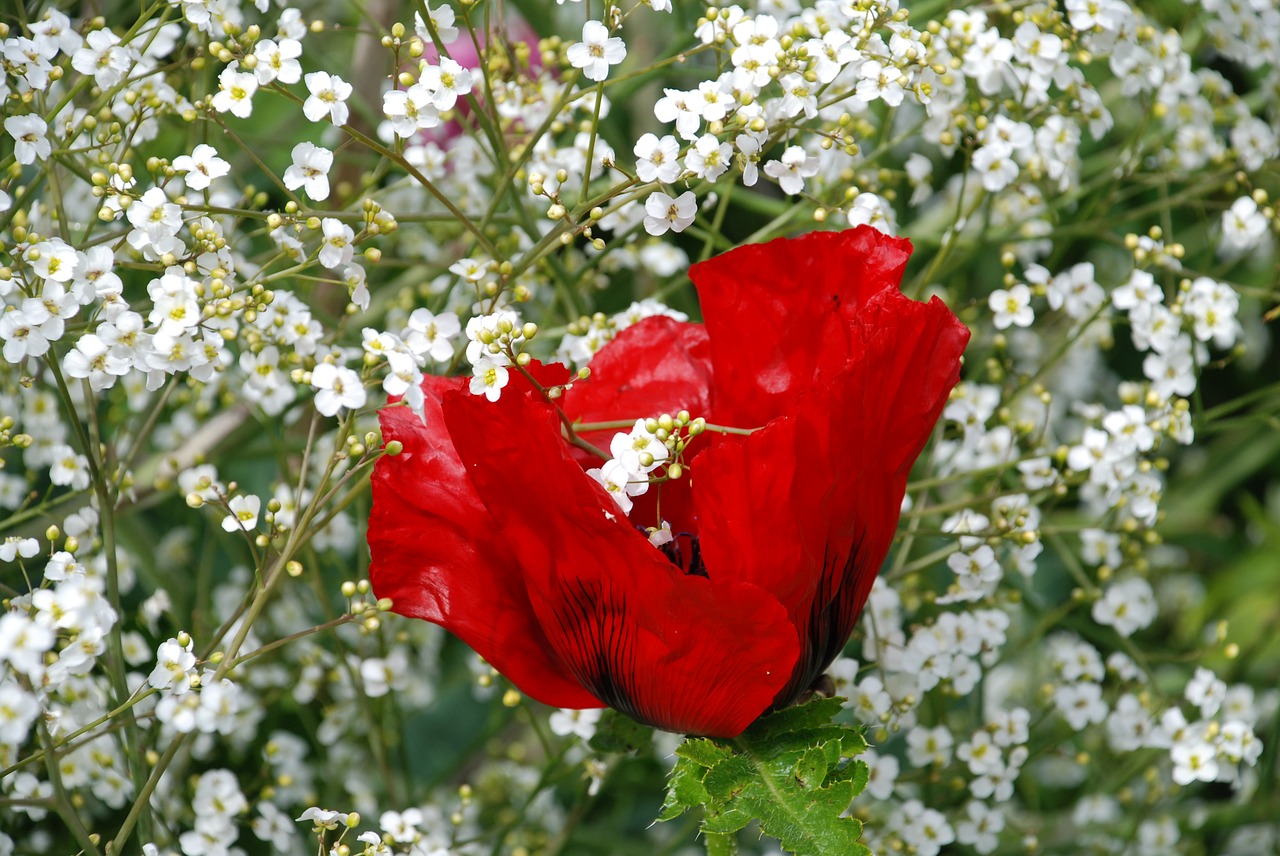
point(673, 552)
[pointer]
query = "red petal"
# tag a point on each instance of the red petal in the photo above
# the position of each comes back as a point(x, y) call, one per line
point(683, 653)
point(779, 314)
point(435, 554)
point(656, 366)
point(808, 506)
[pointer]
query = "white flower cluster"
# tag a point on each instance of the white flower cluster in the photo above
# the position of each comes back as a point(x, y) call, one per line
point(492, 341)
point(633, 456)
point(417, 108)
point(50, 644)
point(217, 803)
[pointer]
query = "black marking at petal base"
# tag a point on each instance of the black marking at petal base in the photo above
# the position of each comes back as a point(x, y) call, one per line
point(831, 620)
point(601, 643)
point(675, 555)
point(696, 566)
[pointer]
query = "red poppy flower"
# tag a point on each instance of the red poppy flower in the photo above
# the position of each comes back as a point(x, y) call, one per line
point(487, 523)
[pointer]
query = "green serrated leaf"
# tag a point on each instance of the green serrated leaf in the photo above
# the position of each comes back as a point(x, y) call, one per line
point(727, 779)
point(702, 751)
point(789, 771)
point(811, 770)
point(769, 744)
point(856, 772)
point(684, 790)
point(814, 826)
point(618, 733)
point(814, 713)
point(727, 821)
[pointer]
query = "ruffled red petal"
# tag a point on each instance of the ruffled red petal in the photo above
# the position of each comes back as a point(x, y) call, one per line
point(682, 653)
point(807, 507)
point(779, 315)
point(435, 554)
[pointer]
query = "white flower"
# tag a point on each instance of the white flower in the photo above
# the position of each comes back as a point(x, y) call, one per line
point(244, 513)
point(235, 92)
point(995, 165)
point(657, 159)
point(1080, 704)
point(328, 99)
point(337, 387)
point(1194, 761)
point(663, 214)
point(274, 826)
point(1206, 691)
point(69, 468)
point(882, 773)
point(488, 378)
point(1012, 307)
point(1243, 226)
point(1128, 606)
point(175, 663)
point(29, 140)
point(596, 52)
point(620, 483)
point(277, 61)
point(447, 82)
point(1140, 289)
point(471, 270)
point(981, 828)
point(708, 158)
point(674, 106)
point(324, 818)
point(1212, 306)
point(792, 169)
point(579, 722)
point(831, 53)
point(879, 81)
point(18, 711)
point(92, 359)
point(410, 110)
point(441, 18)
point(382, 675)
point(202, 166)
point(310, 170)
point(639, 451)
point(337, 249)
point(429, 335)
point(102, 57)
point(24, 643)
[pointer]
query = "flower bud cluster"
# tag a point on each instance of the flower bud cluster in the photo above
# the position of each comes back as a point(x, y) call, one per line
point(494, 345)
point(651, 445)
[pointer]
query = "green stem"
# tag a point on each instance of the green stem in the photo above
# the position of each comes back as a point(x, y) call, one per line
point(64, 807)
point(720, 843)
